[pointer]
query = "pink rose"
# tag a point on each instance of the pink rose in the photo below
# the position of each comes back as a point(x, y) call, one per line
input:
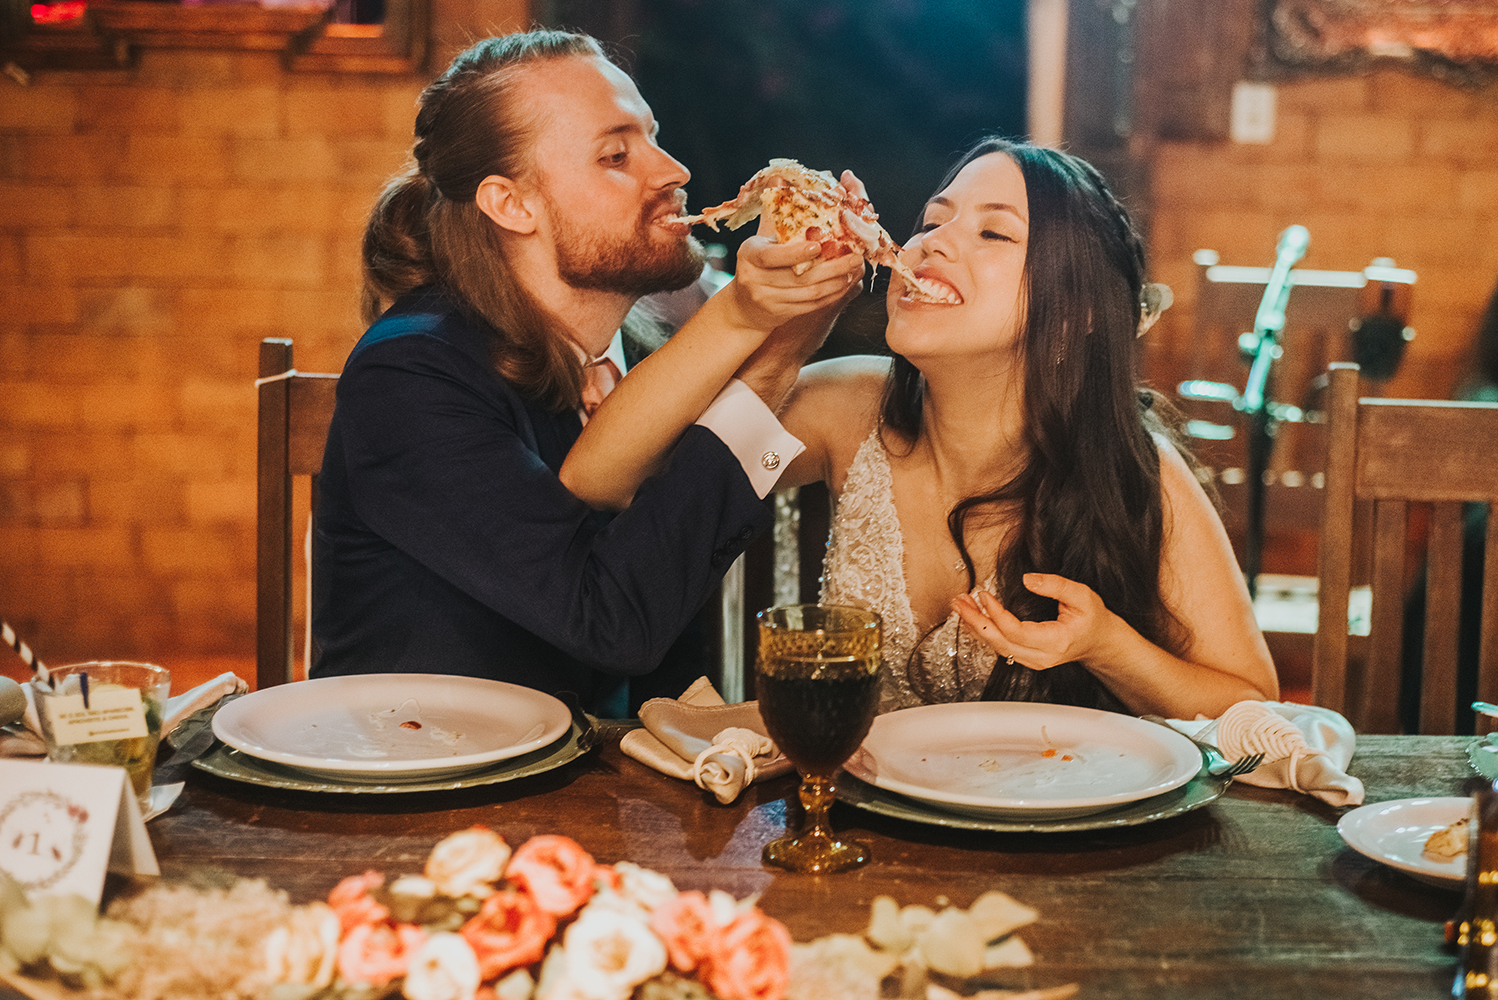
point(509, 930)
point(556, 871)
point(685, 924)
point(750, 959)
point(379, 952)
point(350, 899)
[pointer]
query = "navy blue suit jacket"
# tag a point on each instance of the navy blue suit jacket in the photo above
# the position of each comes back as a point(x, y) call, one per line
point(447, 544)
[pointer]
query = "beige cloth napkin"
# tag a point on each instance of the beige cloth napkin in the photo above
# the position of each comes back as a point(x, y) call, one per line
point(1306, 748)
point(697, 737)
point(24, 737)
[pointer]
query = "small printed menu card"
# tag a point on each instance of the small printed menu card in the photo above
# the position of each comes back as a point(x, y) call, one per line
point(62, 826)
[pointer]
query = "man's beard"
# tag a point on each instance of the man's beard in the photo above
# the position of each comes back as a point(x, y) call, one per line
point(635, 263)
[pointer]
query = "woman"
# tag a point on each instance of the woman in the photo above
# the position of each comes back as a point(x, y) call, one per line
point(1004, 470)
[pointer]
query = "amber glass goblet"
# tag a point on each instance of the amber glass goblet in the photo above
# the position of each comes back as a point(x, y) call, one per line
point(817, 679)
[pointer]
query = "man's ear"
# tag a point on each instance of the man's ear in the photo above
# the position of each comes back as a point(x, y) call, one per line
point(502, 200)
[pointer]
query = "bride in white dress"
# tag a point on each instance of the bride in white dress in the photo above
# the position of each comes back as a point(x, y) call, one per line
point(1009, 499)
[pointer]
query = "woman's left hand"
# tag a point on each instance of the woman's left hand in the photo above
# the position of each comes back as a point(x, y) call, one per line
point(1082, 626)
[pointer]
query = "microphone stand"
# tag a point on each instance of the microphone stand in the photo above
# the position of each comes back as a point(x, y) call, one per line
point(1263, 345)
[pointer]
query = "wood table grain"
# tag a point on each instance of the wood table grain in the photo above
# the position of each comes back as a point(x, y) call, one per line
point(1253, 896)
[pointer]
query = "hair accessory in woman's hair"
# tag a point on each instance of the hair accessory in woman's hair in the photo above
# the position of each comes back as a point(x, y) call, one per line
point(1154, 299)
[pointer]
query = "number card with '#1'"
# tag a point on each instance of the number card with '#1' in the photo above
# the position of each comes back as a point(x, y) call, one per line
point(62, 826)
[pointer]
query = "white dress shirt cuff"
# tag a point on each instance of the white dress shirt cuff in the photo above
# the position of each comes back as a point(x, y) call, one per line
point(744, 423)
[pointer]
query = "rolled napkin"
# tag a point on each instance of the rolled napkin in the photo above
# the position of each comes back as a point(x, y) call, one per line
point(1306, 748)
point(208, 693)
point(697, 737)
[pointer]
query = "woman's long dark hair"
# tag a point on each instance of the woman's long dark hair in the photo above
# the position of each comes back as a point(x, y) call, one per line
point(426, 228)
point(1087, 503)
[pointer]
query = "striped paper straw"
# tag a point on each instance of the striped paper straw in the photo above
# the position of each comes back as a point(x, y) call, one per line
point(23, 651)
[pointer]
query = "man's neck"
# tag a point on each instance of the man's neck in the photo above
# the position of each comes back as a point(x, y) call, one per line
point(586, 316)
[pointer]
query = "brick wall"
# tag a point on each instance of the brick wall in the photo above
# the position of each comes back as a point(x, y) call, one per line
point(155, 223)
point(1387, 164)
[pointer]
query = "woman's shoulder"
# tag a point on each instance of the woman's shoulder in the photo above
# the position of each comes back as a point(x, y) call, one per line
point(843, 395)
point(848, 386)
point(834, 408)
point(1184, 497)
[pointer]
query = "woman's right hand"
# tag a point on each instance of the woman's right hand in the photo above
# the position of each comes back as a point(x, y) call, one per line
point(778, 282)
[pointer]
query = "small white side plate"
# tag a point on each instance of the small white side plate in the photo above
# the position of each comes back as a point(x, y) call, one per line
point(1395, 833)
point(1010, 760)
point(391, 727)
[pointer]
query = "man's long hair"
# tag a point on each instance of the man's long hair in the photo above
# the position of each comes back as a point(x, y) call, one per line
point(1087, 502)
point(427, 229)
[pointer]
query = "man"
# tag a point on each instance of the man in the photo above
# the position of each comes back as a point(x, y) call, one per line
point(535, 215)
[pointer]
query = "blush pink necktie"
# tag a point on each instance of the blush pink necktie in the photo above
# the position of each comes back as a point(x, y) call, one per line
point(599, 378)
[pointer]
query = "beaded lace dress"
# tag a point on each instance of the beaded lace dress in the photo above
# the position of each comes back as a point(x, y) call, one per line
point(865, 567)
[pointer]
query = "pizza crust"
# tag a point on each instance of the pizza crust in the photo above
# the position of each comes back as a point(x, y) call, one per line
point(1448, 843)
point(806, 204)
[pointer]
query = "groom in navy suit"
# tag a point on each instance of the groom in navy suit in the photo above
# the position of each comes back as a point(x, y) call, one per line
point(498, 271)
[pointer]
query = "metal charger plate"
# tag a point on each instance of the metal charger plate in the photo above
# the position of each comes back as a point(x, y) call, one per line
point(226, 762)
point(391, 728)
point(1199, 791)
point(1022, 761)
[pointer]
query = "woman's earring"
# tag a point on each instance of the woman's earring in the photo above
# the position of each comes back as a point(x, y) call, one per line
point(1154, 299)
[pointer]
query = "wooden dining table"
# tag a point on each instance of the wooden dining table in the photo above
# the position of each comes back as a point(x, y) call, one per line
point(1254, 895)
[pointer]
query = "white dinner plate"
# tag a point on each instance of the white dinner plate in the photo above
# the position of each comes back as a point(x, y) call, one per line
point(391, 727)
point(1013, 760)
point(1394, 833)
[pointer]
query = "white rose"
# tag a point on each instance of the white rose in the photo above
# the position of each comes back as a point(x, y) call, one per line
point(304, 951)
point(444, 968)
point(466, 862)
point(644, 887)
point(724, 907)
point(516, 985)
point(609, 953)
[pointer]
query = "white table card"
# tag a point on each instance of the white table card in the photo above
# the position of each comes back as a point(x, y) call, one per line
point(62, 826)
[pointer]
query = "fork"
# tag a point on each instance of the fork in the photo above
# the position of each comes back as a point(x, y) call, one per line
point(1217, 765)
point(1240, 766)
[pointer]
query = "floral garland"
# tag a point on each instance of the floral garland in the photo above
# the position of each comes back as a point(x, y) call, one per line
point(544, 922)
point(482, 922)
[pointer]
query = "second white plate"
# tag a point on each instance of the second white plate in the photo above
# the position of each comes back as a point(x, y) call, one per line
point(1007, 760)
point(1395, 833)
point(391, 727)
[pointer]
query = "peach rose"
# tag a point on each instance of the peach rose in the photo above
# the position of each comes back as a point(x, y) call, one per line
point(509, 930)
point(374, 954)
point(466, 862)
point(556, 871)
point(749, 959)
point(350, 899)
point(686, 926)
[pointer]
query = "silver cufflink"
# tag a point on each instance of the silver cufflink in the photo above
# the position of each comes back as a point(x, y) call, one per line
point(770, 460)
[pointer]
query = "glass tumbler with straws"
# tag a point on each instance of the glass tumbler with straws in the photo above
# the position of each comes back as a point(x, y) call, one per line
point(817, 678)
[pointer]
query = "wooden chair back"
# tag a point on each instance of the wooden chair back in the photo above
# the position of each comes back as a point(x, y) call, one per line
point(295, 409)
point(1391, 454)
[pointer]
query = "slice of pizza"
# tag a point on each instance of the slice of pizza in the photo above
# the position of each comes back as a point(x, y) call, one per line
point(802, 203)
